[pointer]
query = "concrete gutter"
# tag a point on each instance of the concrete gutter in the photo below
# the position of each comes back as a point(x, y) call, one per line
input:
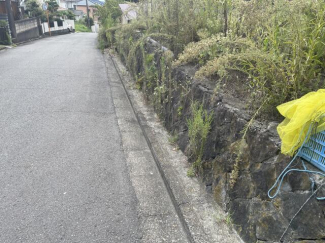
point(157, 216)
point(203, 218)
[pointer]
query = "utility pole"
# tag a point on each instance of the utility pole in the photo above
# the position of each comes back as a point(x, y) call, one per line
point(87, 14)
point(11, 19)
point(48, 22)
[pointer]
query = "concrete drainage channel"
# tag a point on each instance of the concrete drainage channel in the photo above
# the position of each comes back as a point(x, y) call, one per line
point(171, 206)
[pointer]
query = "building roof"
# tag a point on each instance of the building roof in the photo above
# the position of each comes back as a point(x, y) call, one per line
point(128, 11)
point(90, 3)
point(97, 2)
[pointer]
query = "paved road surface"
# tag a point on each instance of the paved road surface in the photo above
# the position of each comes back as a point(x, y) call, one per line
point(63, 174)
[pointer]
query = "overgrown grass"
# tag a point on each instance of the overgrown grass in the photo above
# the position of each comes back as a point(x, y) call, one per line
point(279, 45)
point(80, 27)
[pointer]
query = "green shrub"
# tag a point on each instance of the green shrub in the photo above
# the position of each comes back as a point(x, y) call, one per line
point(102, 39)
point(3, 24)
point(91, 21)
point(5, 38)
point(81, 27)
point(198, 129)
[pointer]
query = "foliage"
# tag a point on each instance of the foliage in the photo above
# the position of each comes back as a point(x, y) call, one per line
point(66, 14)
point(81, 27)
point(173, 139)
point(212, 47)
point(3, 24)
point(190, 172)
point(91, 21)
point(52, 6)
point(198, 129)
point(109, 13)
point(5, 40)
point(279, 45)
point(242, 146)
point(33, 8)
point(102, 39)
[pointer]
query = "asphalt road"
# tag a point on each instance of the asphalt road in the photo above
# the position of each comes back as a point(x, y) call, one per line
point(63, 174)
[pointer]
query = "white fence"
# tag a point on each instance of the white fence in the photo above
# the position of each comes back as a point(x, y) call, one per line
point(95, 28)
point(67, 24)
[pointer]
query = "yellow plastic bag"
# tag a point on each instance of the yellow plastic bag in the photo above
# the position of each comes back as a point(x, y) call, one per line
point(299, 114)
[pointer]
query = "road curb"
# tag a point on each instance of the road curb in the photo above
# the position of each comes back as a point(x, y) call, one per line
point(203, 218)
point(169, 224)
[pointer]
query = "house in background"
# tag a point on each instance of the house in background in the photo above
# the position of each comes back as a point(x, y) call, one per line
point(63, 4)
point(128, 13)
point(82, 6)
point(67, 4)
point(15, 8)
point(78, 14)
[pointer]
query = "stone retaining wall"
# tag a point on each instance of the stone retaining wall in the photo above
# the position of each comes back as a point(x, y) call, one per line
point(257, 158)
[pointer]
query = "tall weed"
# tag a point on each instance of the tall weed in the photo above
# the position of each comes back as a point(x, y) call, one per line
point(198, 129)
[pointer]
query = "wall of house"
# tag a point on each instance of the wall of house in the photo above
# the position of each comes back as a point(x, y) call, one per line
point(63, 4)
point(91, 11)
point(14, 6)
point(78, 14)
point(3, 17)
point(3, 8)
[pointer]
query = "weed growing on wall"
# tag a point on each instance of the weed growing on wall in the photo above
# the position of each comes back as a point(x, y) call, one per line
point(198, 129)
point(241, 146)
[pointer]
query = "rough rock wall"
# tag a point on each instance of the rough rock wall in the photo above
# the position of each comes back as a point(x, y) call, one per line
point(256, 158)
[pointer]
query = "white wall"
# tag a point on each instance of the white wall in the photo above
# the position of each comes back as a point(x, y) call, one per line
point(95, 28)
point(70, 22)
point(66, 24)
point(66, 4)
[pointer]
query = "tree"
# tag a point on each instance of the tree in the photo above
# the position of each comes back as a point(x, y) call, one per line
point(70, 15)
point(67, 13)
point(109, 13)
point(52, 6)
point(91, 21)
point(33, 8)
